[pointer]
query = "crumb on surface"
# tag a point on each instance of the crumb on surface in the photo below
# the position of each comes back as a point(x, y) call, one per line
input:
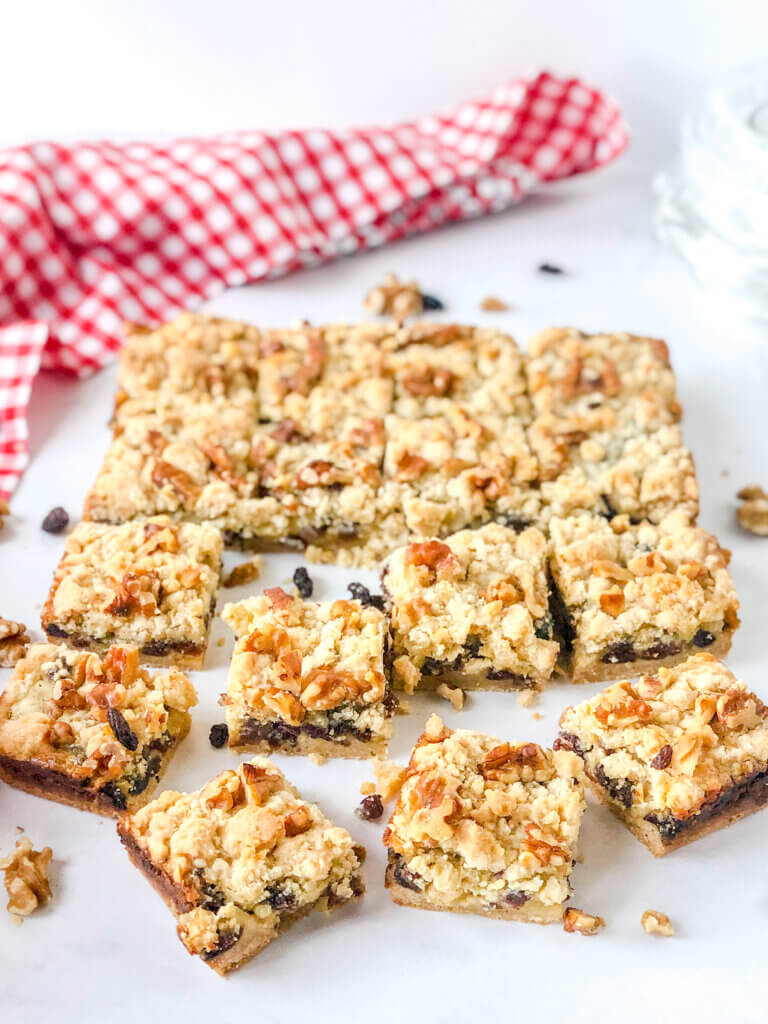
point(537, 717)
point(403, 707)
point(493, 304)
point(366, 788)
point(245, 572)
point(453, 694)
point(752, 513)
point(526, 698)
point(26, 877)
point(395, 298)
point(317, 759)
point(654, 922)
point(220, 642)
point(575, 920)
point(389, 777)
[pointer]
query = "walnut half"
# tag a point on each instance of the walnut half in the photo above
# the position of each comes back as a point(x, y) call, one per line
point(26, 877)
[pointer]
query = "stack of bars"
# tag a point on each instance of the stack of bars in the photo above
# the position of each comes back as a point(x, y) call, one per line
point(534, 515)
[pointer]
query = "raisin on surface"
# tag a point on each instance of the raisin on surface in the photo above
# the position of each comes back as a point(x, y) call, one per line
point(218, 735)
point(56, 521)
point(550, 268)
point(431, 302)
point(370, 808)
point(303, 582)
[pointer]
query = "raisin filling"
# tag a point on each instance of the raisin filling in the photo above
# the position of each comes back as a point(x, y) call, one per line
point(403, 875)
point(226, 940)
point(620, 789)
point(754, 788)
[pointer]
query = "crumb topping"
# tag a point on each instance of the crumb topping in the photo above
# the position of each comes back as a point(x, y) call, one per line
point(490, 820)
point(92, 718)
point(675, 739)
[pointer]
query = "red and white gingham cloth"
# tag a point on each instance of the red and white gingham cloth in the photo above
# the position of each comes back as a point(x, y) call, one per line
point(97, 233)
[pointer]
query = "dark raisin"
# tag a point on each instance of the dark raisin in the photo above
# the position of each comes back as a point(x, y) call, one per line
point(517, 898)
point(225, 941)
point(279, 899)
point(543, 628)
point(403, 876)
point(609, 509)
point(619, 653)
point(567, 741)
point(516, 523)
point(156, 648)
point(115, 795)
point(663, 758)
point(703, 638)
point(561, 619)
point(472, 646)
point(56, 521)
point(123, 732)
point(362, 594)
point(431, 302)
point(54, 630)
point(620, 789)
point(370, 808)
point(303, 582)
point(503, 673)
point(550, 268)
point(218, 735)
point(274, 733)
point(660, 650)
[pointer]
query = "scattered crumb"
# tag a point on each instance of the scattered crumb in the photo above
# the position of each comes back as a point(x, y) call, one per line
point(389, 777)
point(13, 642)
point(407, 672)
point(453, 694)
point(725, 472)
point(26, 877)
point(579, 858)
point(575, 920)
point(550, 268)
point(753, 512)
point(220, 642)
point(318, 758)
point(537, 717)
point(491, 304)
point(399, 299)
point(656, 923)
point(366, 788)
point(245, 572)
point(403, 707)
point(19, 828)
point(526, 698)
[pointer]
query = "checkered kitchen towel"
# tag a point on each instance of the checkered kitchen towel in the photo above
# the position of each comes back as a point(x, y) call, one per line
point(97, 233)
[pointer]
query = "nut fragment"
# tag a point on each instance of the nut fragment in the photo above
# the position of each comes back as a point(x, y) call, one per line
point(395, 298)
point(389, 777)
point(752, 514)
point(13, 642)
point(526, 698)
point(453, 694)
point(575, 920)
point(26, 877)
point(656, 923)
point(245, 572)
point(492, 304)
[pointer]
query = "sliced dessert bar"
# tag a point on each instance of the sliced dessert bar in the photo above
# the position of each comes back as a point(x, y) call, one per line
point(95, 733)
point(472, 610)
point(485, 827)
point(149, 583)
point(241, 859)
point(638, 595)
point(308, 677)
point(675, 755)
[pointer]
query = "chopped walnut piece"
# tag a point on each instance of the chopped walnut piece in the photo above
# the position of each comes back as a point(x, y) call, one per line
point(298, 821)
point(656, 923)
point(245, 572)
point(389, 777)
point(395, 298)
point(181, 482)
point(575, 920)
point(752, 514)
point(318, 759)
point(526, 698)
point(26, 877)
point(453, 694)
point(367, 788)
point(13, 642)
point(492, 304)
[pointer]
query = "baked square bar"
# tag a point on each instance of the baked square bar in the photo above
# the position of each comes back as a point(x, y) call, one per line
point(638, 595)
point(485, 827)
point(308, 677)
point(472, 610)
point(241, 859)
point(150, 583)
point(675, 755)
point(94, 733)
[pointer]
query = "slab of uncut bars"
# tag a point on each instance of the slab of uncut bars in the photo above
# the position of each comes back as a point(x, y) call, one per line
point(240, 860)
point(629, 598)
point(472, 610)
point(150, 583)
point(94, 733)
point(485, 827)
point(309, 677)
point(675, 755)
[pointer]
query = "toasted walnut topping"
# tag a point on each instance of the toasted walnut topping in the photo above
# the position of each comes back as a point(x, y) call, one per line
point(13, 642)
point(298, 821)
point(430, 381)
point(434, 555)
point(622, 712)
point(575, 920)
point(395, 298)
point(613, 602)
point(410, 467)
point(261, 783)
point(656, 923)
point(453, 694)
point(325, 688)
point(245, 572)
point(26, 877)
point(181, 482)
point(136, 593)
point(752, 514)
point(507, 759)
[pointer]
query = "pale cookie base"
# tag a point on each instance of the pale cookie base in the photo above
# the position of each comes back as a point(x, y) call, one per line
point(649, 835)
point(602, 671)
point(61, 789)
point(305, 745)
point(478, 681)
point(255, 936)
point(178, 658)
point(532, 912)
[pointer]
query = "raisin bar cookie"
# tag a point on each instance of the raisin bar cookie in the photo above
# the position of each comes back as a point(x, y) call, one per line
point(150, 583)
point(94, 733)
point(638, 595)
point(241, 859)
point(472, 610)
point(308, 677)
point(675, 755)
point(485, 827)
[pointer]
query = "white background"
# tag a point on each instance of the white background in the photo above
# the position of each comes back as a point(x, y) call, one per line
point(106, 948)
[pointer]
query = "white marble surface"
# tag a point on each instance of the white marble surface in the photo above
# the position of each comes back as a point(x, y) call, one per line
point(106, 948)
